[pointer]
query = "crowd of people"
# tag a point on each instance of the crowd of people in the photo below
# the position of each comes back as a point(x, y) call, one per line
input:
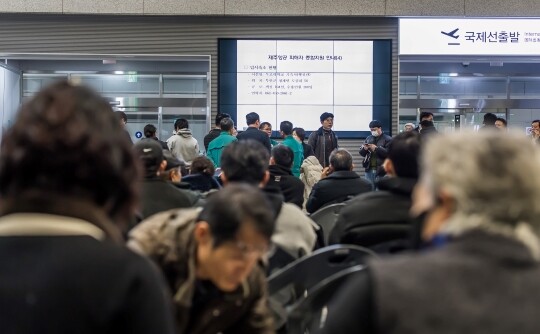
point(98, 234)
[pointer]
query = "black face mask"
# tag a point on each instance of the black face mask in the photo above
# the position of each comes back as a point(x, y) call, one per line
point(417, 224)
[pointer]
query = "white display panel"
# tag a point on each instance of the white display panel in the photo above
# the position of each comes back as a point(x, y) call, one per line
point(299, 80)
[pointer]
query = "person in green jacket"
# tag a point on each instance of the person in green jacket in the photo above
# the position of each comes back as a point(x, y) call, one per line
point(286, 130)
point(217, 145)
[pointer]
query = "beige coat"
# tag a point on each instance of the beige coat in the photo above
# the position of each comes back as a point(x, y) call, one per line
point(310, 173)
point(167, 238)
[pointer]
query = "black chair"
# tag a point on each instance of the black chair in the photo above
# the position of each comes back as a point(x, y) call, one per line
point(287, 285)
point(382, 238)
point(327, 217)
point(310, 311)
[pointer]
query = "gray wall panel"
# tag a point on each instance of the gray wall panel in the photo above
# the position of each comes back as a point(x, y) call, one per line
point(180, 35)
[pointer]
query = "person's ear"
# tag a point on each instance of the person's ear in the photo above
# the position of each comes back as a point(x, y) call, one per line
point(162, 166)
point(223, 178)
point(265, 179)
point(388, 166)
point(202, 233)
point(272, 161)
point(352, 167)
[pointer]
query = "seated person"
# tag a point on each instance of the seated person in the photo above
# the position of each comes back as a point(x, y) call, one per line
point(202, 175)
point(157, 194)
point(64, 266)
point(389, 205)
point(338, 182)
point(246, 161)
point(210, 257)
point(174, 173)
point(281, 176)
point(483, 225)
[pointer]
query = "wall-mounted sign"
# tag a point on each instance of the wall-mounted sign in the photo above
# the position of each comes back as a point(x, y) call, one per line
point(503, 37)
point(138, 134)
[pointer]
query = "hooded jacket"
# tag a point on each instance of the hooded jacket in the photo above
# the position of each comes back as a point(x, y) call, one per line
point(183, 146)
point(167, 238)
point(291, 187)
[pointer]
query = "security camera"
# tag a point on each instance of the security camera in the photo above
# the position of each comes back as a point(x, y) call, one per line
point(465, 64)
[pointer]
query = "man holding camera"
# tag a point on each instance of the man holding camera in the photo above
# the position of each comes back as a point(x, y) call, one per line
point(374, 151)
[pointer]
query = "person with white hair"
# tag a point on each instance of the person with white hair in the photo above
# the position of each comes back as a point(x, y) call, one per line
point(482, 275)
point(408, 127)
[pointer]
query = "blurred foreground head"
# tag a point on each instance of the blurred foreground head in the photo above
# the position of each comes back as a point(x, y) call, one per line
point(66, 143)
point(482, 180)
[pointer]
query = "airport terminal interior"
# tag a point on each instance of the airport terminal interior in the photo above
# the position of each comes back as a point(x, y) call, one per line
point(259, 167)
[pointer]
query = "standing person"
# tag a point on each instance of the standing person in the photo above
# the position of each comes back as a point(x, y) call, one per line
point(408, 127)
point(424, 116)
point(64, 266)
point(182, 144)
point(300, 135)
point(214, 133)
point(150, 132)
point(374, 151)
point(122, 117)
point(285, 128)
point(267, 127)
point(535, 131)
point(489, 121)
point(225, 138)
point(501, 123)
point(324, 140)
point(252, 132)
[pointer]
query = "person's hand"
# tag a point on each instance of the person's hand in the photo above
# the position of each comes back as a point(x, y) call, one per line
point(371, 147)
point(325, 172)
point(536, 133)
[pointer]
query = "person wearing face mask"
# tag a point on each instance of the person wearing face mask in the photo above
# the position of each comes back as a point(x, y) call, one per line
point(481, 276)
point(374, 151)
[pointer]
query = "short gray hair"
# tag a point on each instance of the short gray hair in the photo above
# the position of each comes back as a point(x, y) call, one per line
point(494, 179)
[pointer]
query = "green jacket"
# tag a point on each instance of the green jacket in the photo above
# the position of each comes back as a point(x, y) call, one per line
point(217, 145)
point(298, 151)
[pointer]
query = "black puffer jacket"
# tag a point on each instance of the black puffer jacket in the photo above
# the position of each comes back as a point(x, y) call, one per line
point(391, 205)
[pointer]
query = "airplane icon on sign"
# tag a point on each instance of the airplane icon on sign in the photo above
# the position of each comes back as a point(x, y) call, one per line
point(451, 33)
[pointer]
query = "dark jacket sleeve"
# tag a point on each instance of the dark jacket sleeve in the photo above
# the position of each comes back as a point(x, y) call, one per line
point(267, 143)
point(363, 151)
point(314, 202)
point(381, 150)
point(147, 302)
point(312, 140)
point(352, 310)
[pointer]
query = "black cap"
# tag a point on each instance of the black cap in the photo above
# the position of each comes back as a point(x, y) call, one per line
point(172, 161)
point(375, 124)
point(149, 151)
point(326, 115)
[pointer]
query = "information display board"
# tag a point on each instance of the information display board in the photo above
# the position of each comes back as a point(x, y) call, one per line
point(298, 80)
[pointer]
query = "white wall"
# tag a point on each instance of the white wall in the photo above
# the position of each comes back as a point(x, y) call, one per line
point(10, 97)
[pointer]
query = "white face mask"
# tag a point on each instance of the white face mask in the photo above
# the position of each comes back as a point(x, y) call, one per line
point(375, 133)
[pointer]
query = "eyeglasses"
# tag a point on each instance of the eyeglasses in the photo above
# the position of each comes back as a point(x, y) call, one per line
point(252, 250)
